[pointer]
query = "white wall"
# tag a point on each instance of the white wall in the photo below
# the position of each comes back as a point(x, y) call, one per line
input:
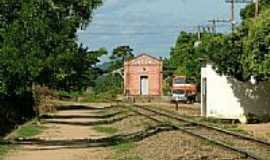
point(228, 98)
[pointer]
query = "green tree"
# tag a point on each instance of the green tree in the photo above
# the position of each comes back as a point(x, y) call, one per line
point(184, 57)
point(256, 54)
point(246, 51)
point(119, 55)
point(112, 83)
point(249, 10)
point(38, 43)
point(122, 53)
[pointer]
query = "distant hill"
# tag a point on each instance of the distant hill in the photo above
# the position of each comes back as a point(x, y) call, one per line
point(104, 66)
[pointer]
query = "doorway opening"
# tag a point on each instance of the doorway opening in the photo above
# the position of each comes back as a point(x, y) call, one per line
point(144, 86)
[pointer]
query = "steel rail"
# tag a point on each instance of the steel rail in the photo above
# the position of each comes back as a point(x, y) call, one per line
point(180, 117)
point(224, 145)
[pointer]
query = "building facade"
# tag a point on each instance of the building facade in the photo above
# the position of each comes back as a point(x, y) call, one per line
point(227, 98)
point(143, 76)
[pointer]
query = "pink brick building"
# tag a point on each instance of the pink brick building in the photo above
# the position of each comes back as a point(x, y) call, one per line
point(143, 76)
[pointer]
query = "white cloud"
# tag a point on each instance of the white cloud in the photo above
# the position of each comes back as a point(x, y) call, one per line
point(144, 16)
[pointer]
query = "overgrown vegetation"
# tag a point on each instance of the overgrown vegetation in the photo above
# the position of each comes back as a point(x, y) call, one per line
point(119, 55)
point(30, 129)
point(124, 147)
point(229, 125)
point(106, 130)
point(241, 54)
point(15, 110)
point(245, 52)
point(123, 151)
point(110, 84)
point(4, 150)
point(39, 47)
point(184, 57)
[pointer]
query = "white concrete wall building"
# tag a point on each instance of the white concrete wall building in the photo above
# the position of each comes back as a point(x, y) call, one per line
point(226, 98)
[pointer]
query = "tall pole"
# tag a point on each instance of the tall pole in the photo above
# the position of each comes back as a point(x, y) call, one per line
point(214, 29)
point(233, 2)
point(215, 26)
point(199, 33)
point(257, 4)
point(232, 14)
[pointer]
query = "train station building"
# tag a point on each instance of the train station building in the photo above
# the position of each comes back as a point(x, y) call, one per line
point(143, 76)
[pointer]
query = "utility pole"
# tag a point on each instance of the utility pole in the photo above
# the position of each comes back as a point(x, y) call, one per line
point(199, 33)
point(232, 16)
point(257, 10)
point(215, 21)
point(214, 25)
point(198, 42)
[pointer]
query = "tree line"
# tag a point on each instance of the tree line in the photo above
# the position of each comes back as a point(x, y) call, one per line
point(240, 54)
point(38, 45)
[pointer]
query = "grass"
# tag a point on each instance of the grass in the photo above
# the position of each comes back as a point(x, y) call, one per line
point(29, 130)
point(122, 151)
point(124, 147)
point(107, 130)
point(268, 135)
point(3, 150)
point(237, 129)
point(223, 124)
point(131, 157)
point(208, 143)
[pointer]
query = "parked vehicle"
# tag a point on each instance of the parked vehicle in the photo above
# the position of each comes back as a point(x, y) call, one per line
point(179, 95)
point(183, 90)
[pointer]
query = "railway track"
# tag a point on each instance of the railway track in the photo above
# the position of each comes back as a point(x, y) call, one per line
point(249, 147)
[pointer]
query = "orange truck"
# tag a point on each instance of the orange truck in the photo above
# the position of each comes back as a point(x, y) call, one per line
point(183, 90)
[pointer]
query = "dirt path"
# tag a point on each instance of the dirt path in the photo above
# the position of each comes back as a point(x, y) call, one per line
point(160, 145)
point(64, 132)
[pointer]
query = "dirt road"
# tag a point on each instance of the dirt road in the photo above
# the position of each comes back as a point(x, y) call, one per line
point(69, 132)
point(58, 131)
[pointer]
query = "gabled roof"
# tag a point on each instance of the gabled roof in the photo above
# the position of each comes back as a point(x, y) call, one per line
point(144, 54)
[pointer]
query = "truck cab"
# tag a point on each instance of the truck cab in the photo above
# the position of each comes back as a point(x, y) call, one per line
point(183, 90)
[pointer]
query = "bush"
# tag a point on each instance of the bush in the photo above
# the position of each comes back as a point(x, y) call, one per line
point(112, 83)
point(44, 91)
point(253, 119)
point(106, 89)
point(15, 110)
point(65, 94)
point(101, 97)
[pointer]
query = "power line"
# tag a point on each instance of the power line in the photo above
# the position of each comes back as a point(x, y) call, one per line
point(140, 25)
point(203, 28)
point(233, 2)
point(131, 33)
point(215, 21)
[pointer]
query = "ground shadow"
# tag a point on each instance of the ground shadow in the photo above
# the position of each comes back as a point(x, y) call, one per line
point(100, 122)
point(80, 107)
point(254, 99)
point(88, 143)
point(80, 116)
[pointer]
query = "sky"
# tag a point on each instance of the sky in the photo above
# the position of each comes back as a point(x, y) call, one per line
point(150, 26)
